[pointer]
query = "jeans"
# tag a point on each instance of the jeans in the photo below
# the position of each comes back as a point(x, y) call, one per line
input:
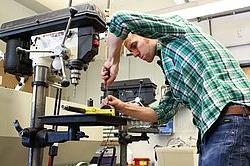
point(227, 143)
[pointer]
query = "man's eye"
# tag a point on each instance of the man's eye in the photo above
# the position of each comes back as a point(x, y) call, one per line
point(134, 45)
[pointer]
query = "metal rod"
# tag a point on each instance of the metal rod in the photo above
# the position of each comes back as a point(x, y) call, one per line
point(34, 51)
point(38, 109)
point(123, 147)
point(223, 14)
point(56, 100)
point(63, 68)
point(238, 45)
point(70, 3)
point(54, 85)
point(123, 155)
point(210, 27)
point(140, 85)
point(59, 102)
point(55, 106)
point(66, 31)
point(63, 43)
point(108, 4)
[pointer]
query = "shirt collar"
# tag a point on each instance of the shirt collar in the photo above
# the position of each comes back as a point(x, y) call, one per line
point(158, 49)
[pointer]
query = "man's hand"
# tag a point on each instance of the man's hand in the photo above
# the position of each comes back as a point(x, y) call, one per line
point(141, 113)
point(110, 68)
point(109, 72)
point(113, 101)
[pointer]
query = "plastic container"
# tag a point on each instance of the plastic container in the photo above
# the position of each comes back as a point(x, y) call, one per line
point(141, 161)
point(169, 156)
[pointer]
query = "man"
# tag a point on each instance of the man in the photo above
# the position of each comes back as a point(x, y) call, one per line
point(202, 74)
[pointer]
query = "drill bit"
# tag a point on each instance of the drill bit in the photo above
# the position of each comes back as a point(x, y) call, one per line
point(74, 92)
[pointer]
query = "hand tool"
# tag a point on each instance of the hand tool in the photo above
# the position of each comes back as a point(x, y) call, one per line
point(91, 110)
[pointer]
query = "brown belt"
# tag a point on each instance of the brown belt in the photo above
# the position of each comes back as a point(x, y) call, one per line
point(236, 110)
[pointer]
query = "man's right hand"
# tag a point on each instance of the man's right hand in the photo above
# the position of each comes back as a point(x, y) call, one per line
point(109, 72)
point(110, 68)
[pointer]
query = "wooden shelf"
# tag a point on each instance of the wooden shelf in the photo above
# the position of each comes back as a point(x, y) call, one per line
point(110, 143)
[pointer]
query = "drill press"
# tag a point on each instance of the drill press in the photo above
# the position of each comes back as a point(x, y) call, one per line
point(25, 56)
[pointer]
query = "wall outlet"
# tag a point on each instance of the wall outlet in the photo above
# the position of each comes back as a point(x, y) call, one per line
point(1, 80)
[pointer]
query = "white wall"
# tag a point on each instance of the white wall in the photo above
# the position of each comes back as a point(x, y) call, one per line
point(233, 32)
point(11, 10)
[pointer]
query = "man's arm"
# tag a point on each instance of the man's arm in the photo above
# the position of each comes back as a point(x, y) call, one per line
point(141, 113)
point(111, 66)
point(165, 111)
point(167, 107)
point(150, 26)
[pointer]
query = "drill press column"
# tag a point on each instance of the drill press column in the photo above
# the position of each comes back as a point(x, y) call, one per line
point(38, 109)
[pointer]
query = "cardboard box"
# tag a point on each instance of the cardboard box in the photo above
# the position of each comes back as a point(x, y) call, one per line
point(10, 81)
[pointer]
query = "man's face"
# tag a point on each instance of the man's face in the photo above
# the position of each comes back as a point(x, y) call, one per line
point(141, 47)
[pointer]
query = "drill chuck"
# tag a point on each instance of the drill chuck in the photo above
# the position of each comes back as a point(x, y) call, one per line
point(75, 67)
point(75, 76)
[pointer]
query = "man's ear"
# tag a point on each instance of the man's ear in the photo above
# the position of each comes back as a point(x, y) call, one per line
point(128, 40)
point(126, 43)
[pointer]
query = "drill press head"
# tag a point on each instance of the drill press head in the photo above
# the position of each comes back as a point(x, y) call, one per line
point(89, 21)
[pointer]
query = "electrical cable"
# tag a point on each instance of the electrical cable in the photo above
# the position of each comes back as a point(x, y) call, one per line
point(177, 142)
point(53, 149)
point(99, 162)
point(106, 144)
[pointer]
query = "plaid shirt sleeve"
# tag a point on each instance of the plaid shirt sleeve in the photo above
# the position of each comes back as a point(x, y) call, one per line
point(124, 22)
point(167, 107)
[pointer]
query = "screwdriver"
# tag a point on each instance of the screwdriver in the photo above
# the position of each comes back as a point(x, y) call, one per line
point(106, 84)
point(105, 89)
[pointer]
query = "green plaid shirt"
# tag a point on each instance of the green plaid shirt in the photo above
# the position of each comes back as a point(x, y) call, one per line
point(202, 74)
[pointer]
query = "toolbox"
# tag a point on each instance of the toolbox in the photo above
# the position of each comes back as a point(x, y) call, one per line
point(128, 90)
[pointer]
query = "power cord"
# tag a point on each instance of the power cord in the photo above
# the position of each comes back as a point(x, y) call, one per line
point(178, 142)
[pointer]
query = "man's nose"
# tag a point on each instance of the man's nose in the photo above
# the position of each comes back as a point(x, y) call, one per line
point(136, 53)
